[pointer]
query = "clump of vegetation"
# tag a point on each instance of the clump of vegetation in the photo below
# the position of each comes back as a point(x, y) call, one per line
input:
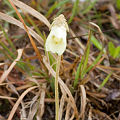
point(32, 71)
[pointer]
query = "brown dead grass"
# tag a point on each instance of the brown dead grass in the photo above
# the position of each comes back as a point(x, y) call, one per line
point(31, 96)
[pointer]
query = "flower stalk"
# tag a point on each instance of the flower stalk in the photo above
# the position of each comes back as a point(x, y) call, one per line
point(56, 43)
point(56, 87)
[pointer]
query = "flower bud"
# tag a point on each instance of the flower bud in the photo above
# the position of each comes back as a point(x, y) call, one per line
point(56, 40)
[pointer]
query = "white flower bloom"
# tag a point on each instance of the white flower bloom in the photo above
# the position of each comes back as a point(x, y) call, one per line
point(56, 40)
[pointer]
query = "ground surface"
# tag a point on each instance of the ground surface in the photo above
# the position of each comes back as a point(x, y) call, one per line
point(90, 66)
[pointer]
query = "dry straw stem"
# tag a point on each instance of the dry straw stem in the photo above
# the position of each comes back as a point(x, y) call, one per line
point(109, 68)
point(108, 72)
point(37, 105)
point(18, 102)
point(2, 64)
point(90, 114)
point(31, 11)
point(67, 115)
point(56, 87)
point(8, 98)
point(62, 102)
point(6, 73)
point(31, 40)
point(83, 101)
point(14, 21)
point(99, 30)
point(68, 110)
point(23, 87)
point(77, 40)
point(33, 106)
point(63, 86)
point(41, 107)
point(98, 63)
point(104, 115)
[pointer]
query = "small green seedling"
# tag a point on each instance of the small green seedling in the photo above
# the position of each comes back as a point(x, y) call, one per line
point(113, 51)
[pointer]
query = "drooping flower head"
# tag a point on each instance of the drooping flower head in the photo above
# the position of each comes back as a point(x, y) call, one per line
point(56, 40)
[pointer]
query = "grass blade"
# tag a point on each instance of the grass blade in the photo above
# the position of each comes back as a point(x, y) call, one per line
point(95, 62)
point(74, 10)
point(86, 56)
point(105, 81)
point(96, 43)
point(56, 5)
point(7, 50)
point(51, 9)
point(89, 7)
point(34, 25)
point(78, 73)
point(7, 38)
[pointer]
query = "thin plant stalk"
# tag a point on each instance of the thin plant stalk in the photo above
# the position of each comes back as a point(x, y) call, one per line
point(56, 88)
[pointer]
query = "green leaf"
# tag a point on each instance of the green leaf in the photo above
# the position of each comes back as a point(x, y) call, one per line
point(111, 48)
point(105, 81)
point(91, 5)
point(118, 4)
point(96, 42)
point(7, 38)
point(114, 52)
point(95, 62)
point(56, 5)
point(74, 10)
point(37, 74)
point(77, 75)
point(61, 3)
point(117, 52)
point(51, 9)
point(87, 51)
point(34, 25)
point(52, 60)
point(7, 50)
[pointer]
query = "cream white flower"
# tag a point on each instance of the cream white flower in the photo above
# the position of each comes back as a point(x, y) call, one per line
point(56, 40)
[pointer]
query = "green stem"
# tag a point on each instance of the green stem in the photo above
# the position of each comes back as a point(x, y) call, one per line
point(56, 88)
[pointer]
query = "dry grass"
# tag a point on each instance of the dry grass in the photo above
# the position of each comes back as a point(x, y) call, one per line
point(89, 78)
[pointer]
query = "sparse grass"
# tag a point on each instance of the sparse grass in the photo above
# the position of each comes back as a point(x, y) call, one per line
point(89, 72)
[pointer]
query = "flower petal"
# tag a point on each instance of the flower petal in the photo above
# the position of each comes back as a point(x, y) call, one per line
point(56, 41)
